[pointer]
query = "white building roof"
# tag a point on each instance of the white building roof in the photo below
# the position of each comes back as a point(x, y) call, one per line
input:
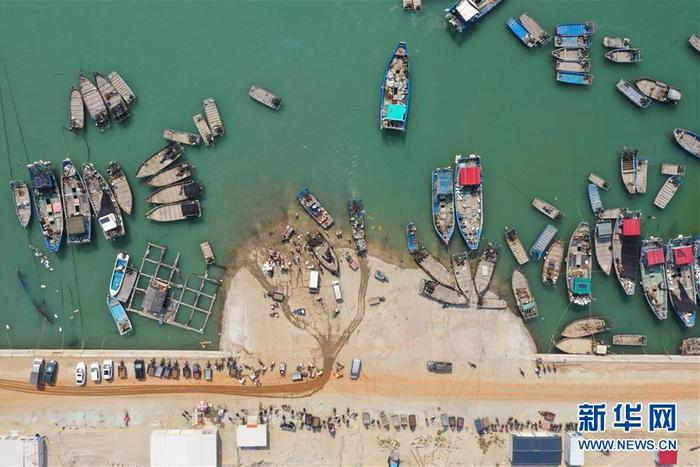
point(22, 451)
point(182, 448)
point(251, 435)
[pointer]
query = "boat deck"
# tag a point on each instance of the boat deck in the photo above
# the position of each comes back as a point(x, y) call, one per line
point(182, 137)
point(122, 88)
point(640, 180)
point(599, 181)
point(535, 30)
point(211, 111)
point(203, 129)
point(463, 275)
point(672, 169)
point(120, 187)
point(265, 97)
point(516, 247)
point(171, 175)
point(434, 268)
point(668, 191)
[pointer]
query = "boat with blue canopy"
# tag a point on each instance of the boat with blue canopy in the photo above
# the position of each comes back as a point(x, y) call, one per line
point(121, 319)
point(521, 32)
point(465, 12)
point(443, 203)
point(540, 245)
point(569, 77)
point(411, 241)
point(572, 42)
point(118, 272)
point(468, 196)
point(594, 199)
point(586, 28)
point(396, 90)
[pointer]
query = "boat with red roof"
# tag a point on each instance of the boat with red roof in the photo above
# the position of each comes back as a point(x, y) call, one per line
point(626, 248)
point(680, 273)
point(468, 198)
point(653, 271)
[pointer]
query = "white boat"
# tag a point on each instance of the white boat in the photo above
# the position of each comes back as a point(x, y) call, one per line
point(118, 272)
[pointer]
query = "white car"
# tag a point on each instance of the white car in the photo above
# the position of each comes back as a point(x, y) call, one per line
point(80, 374)
point(95, 372)
point(108, 370)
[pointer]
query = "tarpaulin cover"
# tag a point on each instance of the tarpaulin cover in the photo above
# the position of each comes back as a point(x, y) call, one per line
point(630, 227)
point(655, 256)
point(396, 112)
point(683, 255)
point(469, 175)
point(667, 458)
point(582, 285)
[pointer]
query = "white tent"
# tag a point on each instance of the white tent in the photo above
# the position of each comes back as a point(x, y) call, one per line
point(183, 448)
point(22, 451)
point(251, 435)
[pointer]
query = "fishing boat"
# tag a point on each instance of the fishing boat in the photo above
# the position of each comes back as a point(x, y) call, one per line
point(182, 137)
point(189, 189)
point(547, 209)
point(626, 249)
point(485, 268)
point(552, 263)
point(426, 261)
point(47, 203)
point(570, 55)
point(516, 246)
point(536, 31)
point(632, 340)
point(443, 204)
point(121, 319)
point(76, 205)
point(640, 180)
point(580, 66)
point(616, 42)
point(603, 244)
point(628, 168)
point(357, 225)
point(322, 250)
point(579, 266)
point(599, 181)
point(103, 203)
point(681, 280)
point(581, 346)
point(586, 28)
point(128, 283)
point(668, 191)
point(22, 200)
point(113, 101)
point(696, 247)
point(611, 214)
point(519, 30)
point(118, 273)
point(265, 97)
point(653, 271)
point(691, 345)
point(672, 169)
point(468, 198)
point(572, 42)
point(463, 13)
point(579, 79)
point(688, 140)
point(440, 293)
point(314, 208)
point(523, 295)
point(660, 92)
point(203, 129)
point(159, 160)
point(76, 112)
point(173, 174)
point(211, 111)
point(175, 212)
point(463, 275)
point(624, 55)
point(694, 42)
point(584, 327)
point(93, 102)
point(122, 88)
point(411, 240)
point(594, 199)
point(120, 187)
point(543, 241)
point(395, 93)
point(628, 90)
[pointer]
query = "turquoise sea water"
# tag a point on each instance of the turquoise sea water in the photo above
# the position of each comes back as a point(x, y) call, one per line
point(483, 92)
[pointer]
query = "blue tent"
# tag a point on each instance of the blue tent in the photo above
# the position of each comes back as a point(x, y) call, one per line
point(536, 450)
point(396, 112)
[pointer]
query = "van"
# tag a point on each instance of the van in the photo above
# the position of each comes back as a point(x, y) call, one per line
point(314, 279)
point(355, 368)
point(337, 293)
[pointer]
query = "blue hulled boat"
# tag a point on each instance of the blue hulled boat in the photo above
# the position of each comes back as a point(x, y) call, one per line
point(572, 42)
point(517, 28)
point(118, 272)
point(680, 271)
point(47, 203)
point(443, 203)
point(688, 140)
point(468, 196)
point(543, 241)
point(465, 12)
point(594, 199)
point(411, 241)
point(576, 29)
point(396, 90)
point(121, 319)
point(653, 273)
point(569, 77)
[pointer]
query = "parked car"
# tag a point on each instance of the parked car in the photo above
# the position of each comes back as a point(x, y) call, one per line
point(37, 371)
point(50, 372)
point(439, 367)
point(139, 368)
point(355, 368)
point(80, 374)
point(108, 370)
point(95, 372)
point(288, 426)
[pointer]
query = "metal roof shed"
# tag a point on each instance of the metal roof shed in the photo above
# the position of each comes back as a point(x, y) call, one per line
point(22, 451)
point(185, 448)
point(251, 435)
point(535, 449)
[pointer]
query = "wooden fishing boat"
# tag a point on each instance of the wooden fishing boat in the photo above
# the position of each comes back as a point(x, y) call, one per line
point(672, 169)
point(616, 42)
point(120, 187)
point(603, 244)
point(547, 209)
point(633, 340)
point(76, 205)
point(694, 42)
point(580, 66)
point(521, 32)
point(626, 249)
point(189, 189)
point(696, 246)
point(121, 319)
point(599, 181)
point(468, 198)
point(322, 250)
point(628, 168)
point(572, 42)
point(579, 79)
point(175, 212)
point(552, 263)
point(314, 208)
point(22, 200)
point(541, 36)
point(76, 112)
point(586, 28)
point(128, 283)
point(570, 55)
point(691, 345)
point(443, 205)
point(93, 102)
point(463, 13)
point(265, 97)
point(47, 203)
point(668, 191)
point(122, 88)
point(660, 92)
point(594, 199)
point(681, 280)
point(203, 129)
point(426, 261)
point(624, 55)
point(356, 213)
point(171, 175)
point(581, 346)
point(516, 246)
point(103, 203)
point(653, 272)
point(211, 111)
point(542, 241)
point(115, 104)
point(611, 214)
point(640, 180)
point(118, 273)
point(485, 268)
point(628, 90)
point(182, 137)
point(688, 140)
point(159, 160)
point(584, 327)
point(395, 92)
point(579, 266)
point(463, 275)
point(523, 295)
point(440, 293)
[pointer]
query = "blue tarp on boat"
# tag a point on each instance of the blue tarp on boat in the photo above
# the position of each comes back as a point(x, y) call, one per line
point(575, 29)
point(444, 182)
point(594, 199)
point(571, 78)
point(582, 285)
point(518, 29)
point(542, 241)
point(396, 112)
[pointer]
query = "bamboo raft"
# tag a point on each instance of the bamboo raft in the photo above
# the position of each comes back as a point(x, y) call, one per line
point(641, 178)
point(585, 327)
point(551, 268)
point(122, 88)
point(463, 275)
point(120, 187)
point(22, 200)
point(523, 295)
point(535, 30)
point(603, 245)
point(570, 55)
point(638, 340)
point(182, 137)
point(160, 160)
point(668, 191)
point(77, 111)
point(580, 66)
point(440, 293)
point(171, 175)
point(115, 104)
point(203, 129)
point(128, 282)
point(485, 268)
point(175, 212)
point(211, 111)
point(516, 247)
point(599, 181)
point(265, 97)
point(189, 189)
point(672, 169)
point(547, 209)
point(93, 102)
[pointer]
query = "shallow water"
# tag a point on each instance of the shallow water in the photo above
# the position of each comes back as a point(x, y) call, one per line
point(484, 93)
